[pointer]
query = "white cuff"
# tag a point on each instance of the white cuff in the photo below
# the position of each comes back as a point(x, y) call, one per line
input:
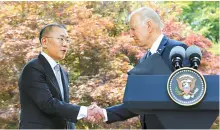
point(82, 112)
point(105, 114)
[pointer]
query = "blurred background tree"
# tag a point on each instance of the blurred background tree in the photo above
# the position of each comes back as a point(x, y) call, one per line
point(203, 17)
point(101, 52)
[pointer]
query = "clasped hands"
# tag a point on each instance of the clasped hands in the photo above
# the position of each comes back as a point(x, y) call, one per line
point(95, 114)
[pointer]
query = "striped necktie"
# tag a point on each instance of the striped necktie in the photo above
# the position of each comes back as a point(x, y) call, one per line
point(148, 54)
point(59, 80)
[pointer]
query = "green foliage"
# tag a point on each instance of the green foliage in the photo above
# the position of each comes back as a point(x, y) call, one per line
point(215, 49)
point(118, 11)
point(203, 17)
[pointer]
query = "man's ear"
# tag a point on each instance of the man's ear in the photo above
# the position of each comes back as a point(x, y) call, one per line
point(149, 25)
point(44, 43)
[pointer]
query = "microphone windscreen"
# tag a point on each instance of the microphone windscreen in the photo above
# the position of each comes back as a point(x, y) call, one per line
point(193, 50)
point(177, 50)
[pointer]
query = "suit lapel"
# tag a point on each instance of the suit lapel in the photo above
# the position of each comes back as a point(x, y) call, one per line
point(162, 45)
point(160, 49)
point(65, 85)
point(49, 72)
point(165, 52)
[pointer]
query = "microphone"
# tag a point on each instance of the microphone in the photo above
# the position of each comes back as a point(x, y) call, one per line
point(177, 54)
point(194, 54)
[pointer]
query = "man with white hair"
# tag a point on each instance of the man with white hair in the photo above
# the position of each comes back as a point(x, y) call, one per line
point(146, 30)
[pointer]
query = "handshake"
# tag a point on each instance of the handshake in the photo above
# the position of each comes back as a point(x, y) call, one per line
point(95, 114)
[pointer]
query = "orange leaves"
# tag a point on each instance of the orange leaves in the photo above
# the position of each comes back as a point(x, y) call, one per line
point(198, 40)
point(111, 92)
point(32, 54)
point(179, 31)
point(107, 22)
point(84, 13)
point(174, 30)
point(209, 61)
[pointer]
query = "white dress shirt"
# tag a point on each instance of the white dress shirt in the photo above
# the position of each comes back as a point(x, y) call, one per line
point(51, 61)
point(83, 110)
point(156, 44)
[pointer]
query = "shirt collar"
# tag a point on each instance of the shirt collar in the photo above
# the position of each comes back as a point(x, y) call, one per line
point(156, 44)
point(51, 61)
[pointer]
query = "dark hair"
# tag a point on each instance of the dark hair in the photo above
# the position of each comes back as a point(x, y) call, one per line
point(48, 28)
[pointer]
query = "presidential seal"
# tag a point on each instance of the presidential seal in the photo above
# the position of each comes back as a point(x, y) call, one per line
point(186, 86)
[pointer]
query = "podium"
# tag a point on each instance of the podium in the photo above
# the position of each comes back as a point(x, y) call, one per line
point(148, 94)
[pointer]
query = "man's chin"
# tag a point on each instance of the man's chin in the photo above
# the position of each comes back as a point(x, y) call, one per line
point(60, 57)
point(143, 46)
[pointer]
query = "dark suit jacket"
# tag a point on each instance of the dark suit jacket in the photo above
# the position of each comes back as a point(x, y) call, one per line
point(150, 121)
point(41, 104)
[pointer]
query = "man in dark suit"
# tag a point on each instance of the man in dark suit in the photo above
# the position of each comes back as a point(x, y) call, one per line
point(146, 30)
point(44, 86)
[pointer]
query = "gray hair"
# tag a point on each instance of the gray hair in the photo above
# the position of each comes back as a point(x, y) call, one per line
point(147, 13)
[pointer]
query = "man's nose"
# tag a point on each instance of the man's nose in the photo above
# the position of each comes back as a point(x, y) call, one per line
point(65, 43)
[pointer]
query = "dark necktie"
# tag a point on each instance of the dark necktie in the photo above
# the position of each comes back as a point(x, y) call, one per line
point(148, 54)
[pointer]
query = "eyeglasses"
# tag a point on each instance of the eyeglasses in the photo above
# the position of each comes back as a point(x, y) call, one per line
point(62, 39)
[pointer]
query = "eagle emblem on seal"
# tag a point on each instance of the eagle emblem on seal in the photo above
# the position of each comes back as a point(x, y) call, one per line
point(186, 84)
